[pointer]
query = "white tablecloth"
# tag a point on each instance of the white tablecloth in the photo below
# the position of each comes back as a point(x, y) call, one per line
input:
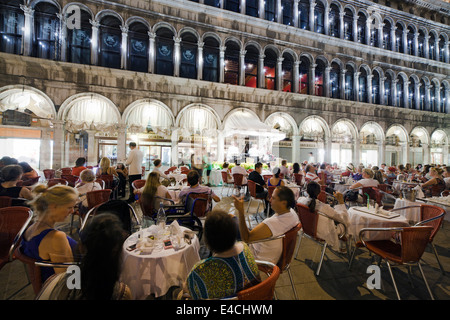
point(295, 188)
point(359, 220)
point(157, 272)
point(341, 188)
point(411, 214)
point(215, 178)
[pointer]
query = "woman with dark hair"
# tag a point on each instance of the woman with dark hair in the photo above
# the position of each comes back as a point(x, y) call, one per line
point(101, 246)
point(296, 168)
point(275, 180)
point(231, 265)
point(326, 228)
point(122, 171)
point(9, 176)
point(28, 171)
point(80, 165)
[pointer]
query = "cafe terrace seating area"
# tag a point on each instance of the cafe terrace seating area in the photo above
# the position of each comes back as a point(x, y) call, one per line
point(314, 272)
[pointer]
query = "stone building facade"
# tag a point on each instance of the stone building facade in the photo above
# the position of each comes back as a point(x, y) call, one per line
point(351, 81)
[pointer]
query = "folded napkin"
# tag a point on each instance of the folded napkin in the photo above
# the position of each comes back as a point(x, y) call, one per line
point(175, 229)
point(419, 192)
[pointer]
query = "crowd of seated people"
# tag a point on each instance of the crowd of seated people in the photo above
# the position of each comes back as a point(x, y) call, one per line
point(227, 235)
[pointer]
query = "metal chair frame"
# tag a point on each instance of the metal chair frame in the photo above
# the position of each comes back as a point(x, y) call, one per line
point(287, 266)
point(390, 266)
point(254, 197)
point(322, 242)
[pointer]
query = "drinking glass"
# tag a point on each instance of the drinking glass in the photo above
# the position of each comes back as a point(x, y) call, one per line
point(146, 222)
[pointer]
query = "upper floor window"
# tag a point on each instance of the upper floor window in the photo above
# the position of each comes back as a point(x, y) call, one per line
point(164, 52)
point(110, 42)
point(303, 14)
point(304, 75)
point(46, 31)
point(287, 73)
point(387, 40)
point(211, 60)
point(348, 25)
point(231, 67)
point(11, 25)
point(251, 67)
point(319, 80)
point(349, 83)
point(287, 7)
point(319, 18)
point(214, 3)
point(270, 70)
point(188, 65)
point(138, 47)
point(252, 8)
point(334, 21)
point(335, 87)
point(232, 5)
point(270, 10)
point(376, 87)
point(361, 31)
point(79, 41)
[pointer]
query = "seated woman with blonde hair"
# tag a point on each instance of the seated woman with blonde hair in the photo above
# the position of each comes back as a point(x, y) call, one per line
point(153, 190)
point(104, 167)
point(41, 241)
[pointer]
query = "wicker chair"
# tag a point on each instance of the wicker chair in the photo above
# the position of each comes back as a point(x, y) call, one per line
point(5, 201)
point(264, 290)
point(34, 269)
point(238, 180)
point(253, 196)
point(137, 184)
point(225, 182)
point(97, 197)
point(13, 221)
point(66, 171)
point(123, 210)
point(309, 221)
point(298, 179)
point(71, 179)
point(53, 182)
point(49, 174)
point(289, 243)
point(408, 252)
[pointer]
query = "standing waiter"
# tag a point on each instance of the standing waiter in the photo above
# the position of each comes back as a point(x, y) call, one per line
point(134, 162)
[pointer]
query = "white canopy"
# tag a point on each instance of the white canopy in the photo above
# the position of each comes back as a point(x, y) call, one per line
point(21, 100)
point(91, 113)
point(245, 123)
point(151, 115)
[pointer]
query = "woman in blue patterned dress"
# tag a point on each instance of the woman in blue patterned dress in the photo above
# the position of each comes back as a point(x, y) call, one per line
point(231, 267)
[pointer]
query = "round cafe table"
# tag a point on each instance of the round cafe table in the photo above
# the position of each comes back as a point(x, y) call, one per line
point(156, 272)
point(358, 220)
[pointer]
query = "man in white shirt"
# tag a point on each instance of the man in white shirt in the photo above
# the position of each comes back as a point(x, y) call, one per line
point(284, 219)
point(134, 161)
point(238, 169)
